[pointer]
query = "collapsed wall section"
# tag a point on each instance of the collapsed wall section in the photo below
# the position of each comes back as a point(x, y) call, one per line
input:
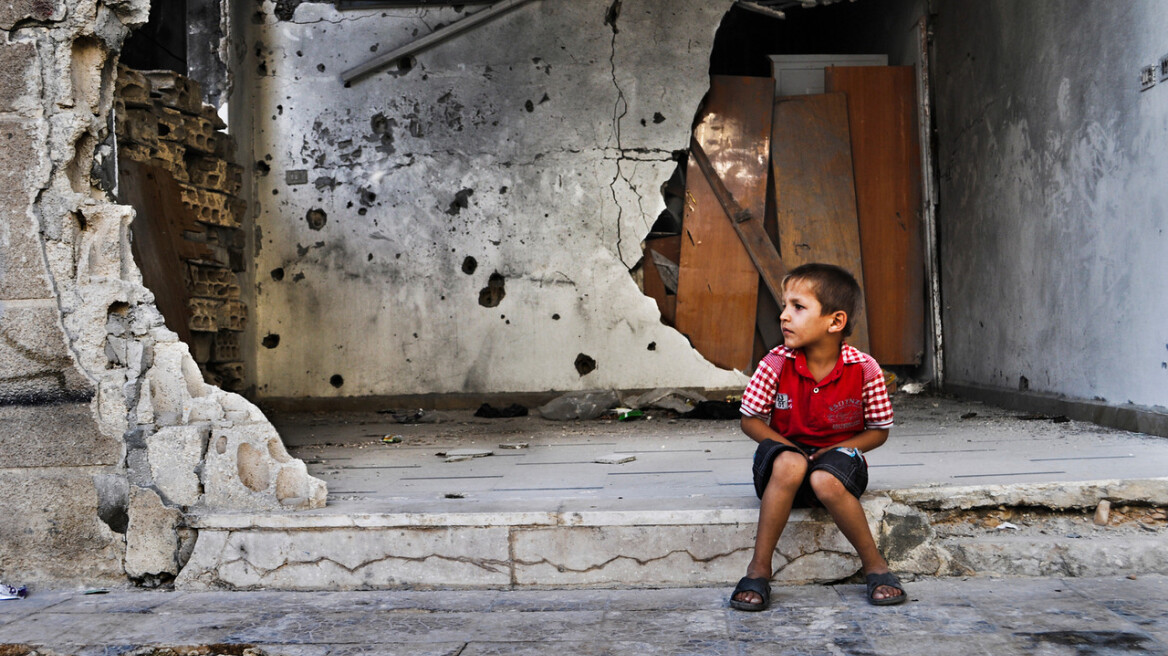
point(109, 432)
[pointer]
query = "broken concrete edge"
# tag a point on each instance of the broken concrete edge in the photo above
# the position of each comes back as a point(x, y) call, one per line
point(1134, 418)
point(144, 382)
point(1055, 496)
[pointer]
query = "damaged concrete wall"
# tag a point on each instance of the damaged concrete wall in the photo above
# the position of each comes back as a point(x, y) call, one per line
point(1053, 206)
point(108, 431)
point(466, 221)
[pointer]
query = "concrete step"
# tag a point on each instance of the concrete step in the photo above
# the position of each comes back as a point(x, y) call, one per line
point(1025, 530)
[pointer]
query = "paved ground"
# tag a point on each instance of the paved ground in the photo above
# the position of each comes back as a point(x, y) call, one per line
point(681, 463)
point(962, 617)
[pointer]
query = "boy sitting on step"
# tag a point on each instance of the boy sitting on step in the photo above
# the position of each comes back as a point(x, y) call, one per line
point(814, 405)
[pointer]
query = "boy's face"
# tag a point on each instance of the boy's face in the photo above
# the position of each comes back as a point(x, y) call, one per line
point(802, 320)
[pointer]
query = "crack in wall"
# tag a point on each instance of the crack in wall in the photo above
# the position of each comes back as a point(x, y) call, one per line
point(640, 561)
point(620, 109)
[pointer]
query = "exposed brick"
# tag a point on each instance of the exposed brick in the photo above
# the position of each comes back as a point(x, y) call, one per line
point(226, 347)
point(138, 126)
point(200, 135)
point(204, 315)
point(133, 89)
point(232, 316)
point(209, 207)
point(214, 283)
point(16, 60)
point(175, 91)
point(172, 124)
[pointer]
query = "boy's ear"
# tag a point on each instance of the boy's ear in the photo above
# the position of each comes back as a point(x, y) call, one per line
point(839, 320)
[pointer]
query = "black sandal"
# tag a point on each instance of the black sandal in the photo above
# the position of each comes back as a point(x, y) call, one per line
point(886, 579)
point(760, 586)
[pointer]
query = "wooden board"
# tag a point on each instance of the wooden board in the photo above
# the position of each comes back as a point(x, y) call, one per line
point(814, 192)
point(882, 116)
point(717, 282)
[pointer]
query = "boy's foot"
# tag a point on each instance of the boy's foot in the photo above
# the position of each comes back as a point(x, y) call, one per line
point(884, 589)
point(750, 596)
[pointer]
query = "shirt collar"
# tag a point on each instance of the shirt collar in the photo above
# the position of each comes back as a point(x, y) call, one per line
point(851, 354)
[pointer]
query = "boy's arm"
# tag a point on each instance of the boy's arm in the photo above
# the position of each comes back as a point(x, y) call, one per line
point(758, 430)
point(864, 441)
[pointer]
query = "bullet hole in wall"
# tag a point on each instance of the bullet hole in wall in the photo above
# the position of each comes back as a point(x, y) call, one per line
point(585, 364)
point(369, 258)
point(1023, 383)
point(658, 117)
point(491, 295)
point(469, 265)
point(320, 67)
point(263, 167)
point(278, 274)
point(270, 341)
point(383, 126)
point(652, 346)
point(461, 202)
point(316, 218)
point(298, 277)
point(336, 380)
point(529, 106)
point(503, 189)
point(555, 317)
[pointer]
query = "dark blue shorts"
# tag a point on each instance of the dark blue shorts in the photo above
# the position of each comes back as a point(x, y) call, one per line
point(851, 470)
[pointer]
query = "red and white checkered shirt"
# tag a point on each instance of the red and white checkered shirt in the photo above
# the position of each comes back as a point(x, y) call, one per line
point(847, 401)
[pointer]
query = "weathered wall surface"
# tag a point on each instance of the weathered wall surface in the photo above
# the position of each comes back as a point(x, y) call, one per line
point(528, 152)
point(1053, 206)
point(107, 430)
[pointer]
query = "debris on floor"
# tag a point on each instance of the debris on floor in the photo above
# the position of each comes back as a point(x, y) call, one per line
point(663, 398)
point(421, 416)
point(8, 592)
point(514, 445)
point(1103, 513)
point(391, 439)
point(459, 455)
point(579, 405)
point(616, 459)
point(490, 412)
point(628, 414)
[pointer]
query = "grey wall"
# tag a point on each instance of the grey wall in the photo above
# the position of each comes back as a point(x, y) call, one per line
point(535, 144)
point(1052, 197)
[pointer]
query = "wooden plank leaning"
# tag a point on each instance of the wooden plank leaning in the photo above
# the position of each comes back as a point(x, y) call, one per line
point(750, 229)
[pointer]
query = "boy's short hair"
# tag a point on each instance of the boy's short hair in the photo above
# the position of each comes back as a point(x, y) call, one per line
point(834, 288)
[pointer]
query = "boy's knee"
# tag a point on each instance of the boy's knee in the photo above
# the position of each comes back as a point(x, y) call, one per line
point(789, 465)
point(826, 485)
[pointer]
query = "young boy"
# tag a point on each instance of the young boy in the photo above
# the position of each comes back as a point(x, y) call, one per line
point(814, 405)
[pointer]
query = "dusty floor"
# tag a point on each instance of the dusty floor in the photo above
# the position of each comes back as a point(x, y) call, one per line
point(697, 463)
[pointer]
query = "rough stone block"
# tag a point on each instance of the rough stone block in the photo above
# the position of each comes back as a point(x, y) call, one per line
point(14, 11)
point(139, 126)
point(247, 468)
point(175, 453)
point(151, 539)
point(16, 60)
point(62, 435)
point(35, 363)
point(53, 532)
point(227, 347)
point(22, 267)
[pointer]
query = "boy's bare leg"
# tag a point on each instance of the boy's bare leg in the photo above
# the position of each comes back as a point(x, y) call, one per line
point(849, 516)
point(787, 474)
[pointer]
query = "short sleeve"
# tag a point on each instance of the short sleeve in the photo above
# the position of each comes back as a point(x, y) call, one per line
point(759, 396)
point(877, 405)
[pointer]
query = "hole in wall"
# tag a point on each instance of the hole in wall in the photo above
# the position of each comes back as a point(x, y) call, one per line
point(585, 364)
point(492, 295)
